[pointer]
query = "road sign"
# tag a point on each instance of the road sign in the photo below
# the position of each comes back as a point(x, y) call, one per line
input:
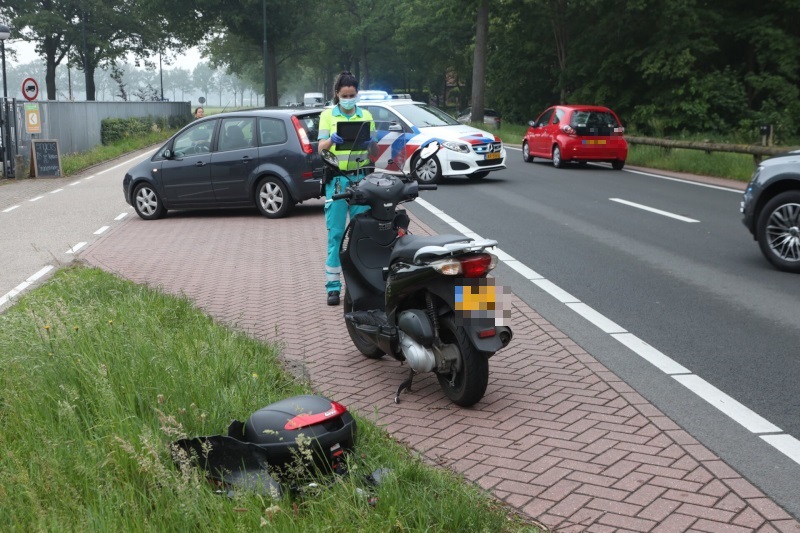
point(33, 122)
point(30, 89)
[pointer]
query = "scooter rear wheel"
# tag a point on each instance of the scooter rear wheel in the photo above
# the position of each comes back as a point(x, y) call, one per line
point(365, 347)
point(466, 386)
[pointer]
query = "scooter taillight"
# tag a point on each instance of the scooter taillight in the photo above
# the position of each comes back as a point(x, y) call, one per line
point(476, 266)
point(472, 266)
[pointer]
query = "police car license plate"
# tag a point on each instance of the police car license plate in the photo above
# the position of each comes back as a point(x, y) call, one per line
point(493, 155)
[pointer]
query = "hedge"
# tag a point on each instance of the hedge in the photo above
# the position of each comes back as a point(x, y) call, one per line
point(114, 129)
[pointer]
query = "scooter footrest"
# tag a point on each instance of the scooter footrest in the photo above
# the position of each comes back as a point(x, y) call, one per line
point(367, 318)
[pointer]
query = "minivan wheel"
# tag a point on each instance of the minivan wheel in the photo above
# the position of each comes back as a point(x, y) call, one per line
point(526, 153)
point(617, 164)
point(147, 202)
point(557, 161)
point(272, 198)
point(778, 231)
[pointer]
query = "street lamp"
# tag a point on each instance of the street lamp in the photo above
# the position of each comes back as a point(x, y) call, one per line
point(5, 33)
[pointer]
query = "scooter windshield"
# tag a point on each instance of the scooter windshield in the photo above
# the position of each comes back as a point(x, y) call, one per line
point(389, 151)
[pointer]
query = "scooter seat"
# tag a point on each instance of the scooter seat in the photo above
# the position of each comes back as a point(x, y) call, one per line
point(409, 245)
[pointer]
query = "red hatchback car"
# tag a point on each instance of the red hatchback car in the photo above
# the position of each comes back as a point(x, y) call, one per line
point(566, 133)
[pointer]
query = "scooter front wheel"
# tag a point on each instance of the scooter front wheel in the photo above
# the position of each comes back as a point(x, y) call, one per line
point(465, 385)
point(365, 347)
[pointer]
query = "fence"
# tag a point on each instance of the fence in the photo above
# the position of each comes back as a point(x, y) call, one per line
point(76, 125)
point(758, 152)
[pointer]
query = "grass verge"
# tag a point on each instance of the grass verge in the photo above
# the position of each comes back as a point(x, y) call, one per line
point(74, 163)
point(100, 375)
point(719, 164)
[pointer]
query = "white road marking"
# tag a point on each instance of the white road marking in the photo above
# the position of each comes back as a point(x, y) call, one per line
point(75, 248)
point(35, 199)
point(654, 210)
point(127, 162)
point(10, 208)
point(601, 321)
point(55, 191)
point(87, 178)
point(786, 444)
point(726, 404)
point(24, 285)
point(121, 216)
point(650, 354)
point(75, 183)
point(101, 230)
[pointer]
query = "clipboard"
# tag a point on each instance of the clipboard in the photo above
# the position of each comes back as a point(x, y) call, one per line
point(356, 134)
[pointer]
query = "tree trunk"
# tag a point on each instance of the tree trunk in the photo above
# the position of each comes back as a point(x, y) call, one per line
point(558, 20)
point(479, 61)
point(89, 77)
point(272, 82)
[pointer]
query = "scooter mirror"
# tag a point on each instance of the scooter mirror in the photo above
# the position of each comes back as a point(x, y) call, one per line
point(329, 158)
point(430, 149)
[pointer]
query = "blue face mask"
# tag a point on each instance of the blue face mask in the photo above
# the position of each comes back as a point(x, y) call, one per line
point(347, 103)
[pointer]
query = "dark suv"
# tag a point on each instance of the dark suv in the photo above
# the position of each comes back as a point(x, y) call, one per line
point(265, 157)
point(771, 209)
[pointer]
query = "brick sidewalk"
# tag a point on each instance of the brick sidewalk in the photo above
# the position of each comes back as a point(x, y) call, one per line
point(557, 436)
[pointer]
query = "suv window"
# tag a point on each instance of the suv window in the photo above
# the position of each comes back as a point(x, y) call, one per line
point(423, 115)
point(310, 123)
point(271, 131)
point(236, 133)
point(383, 117)
point(195, 140)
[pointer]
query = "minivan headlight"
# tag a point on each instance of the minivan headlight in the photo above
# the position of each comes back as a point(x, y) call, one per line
point(456, 147)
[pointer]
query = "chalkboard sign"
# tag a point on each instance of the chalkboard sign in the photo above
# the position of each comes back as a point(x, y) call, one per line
point(45, 158)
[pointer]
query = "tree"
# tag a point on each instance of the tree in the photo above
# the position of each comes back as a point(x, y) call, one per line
point(479, 64)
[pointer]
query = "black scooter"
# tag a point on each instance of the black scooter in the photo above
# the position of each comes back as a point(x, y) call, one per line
point(422, 300)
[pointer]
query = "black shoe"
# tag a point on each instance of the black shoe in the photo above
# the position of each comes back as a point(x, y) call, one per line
point(333, 298)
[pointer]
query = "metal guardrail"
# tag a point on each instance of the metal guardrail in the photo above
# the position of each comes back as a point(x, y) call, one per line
point(758, 152)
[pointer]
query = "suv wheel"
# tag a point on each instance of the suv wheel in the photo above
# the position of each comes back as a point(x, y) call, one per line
point(778, 231)
point(147, 203)
point(429, 172)
point(272, 198)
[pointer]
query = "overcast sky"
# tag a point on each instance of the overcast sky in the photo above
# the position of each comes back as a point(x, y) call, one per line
point(26, 52)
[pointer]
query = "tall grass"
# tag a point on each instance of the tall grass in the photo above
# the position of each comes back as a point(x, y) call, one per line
point(100, 375)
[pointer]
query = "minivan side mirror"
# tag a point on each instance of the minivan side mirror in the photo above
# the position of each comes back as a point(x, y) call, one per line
point(167, 154)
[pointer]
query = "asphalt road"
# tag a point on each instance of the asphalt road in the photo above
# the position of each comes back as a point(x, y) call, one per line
point(689, 281)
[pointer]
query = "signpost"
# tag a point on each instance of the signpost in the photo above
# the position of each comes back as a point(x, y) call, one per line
point(33, 122)
point(30, 89)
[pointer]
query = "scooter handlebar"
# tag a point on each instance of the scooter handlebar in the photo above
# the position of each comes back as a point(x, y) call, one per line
point(428, 187)
point(342, 195)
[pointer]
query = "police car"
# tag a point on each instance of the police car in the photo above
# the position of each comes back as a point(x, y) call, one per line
point(403, 126)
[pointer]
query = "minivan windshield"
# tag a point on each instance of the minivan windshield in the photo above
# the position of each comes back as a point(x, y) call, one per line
point(425, 116)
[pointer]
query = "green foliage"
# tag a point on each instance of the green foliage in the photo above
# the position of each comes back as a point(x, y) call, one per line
point(100, 375)
point(115, 129)
point(74, 163)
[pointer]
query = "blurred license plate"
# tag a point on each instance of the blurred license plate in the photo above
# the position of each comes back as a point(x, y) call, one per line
point(475, 298)
point(601, 141)
point(493, 155)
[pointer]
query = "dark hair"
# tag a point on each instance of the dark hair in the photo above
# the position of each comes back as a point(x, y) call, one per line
point(196, 109)
point(345, 79)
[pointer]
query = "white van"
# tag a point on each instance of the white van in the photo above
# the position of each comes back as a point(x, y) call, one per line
point(313, 100)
